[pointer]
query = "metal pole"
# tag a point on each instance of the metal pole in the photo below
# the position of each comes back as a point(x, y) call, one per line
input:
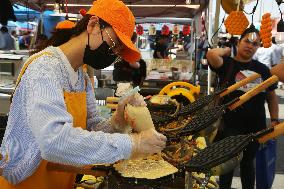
point(195, 57)
point(212, 14)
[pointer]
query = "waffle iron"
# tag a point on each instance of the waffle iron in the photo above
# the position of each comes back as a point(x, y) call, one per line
point(205, 100)
point(221, 157)
point(200, 124)
point(193, 108)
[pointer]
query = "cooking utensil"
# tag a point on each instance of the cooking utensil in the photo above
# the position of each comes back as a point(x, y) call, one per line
point(195, 106)
point(128, 177)
point(201, 122)
point(224, 155)
point(163, 103)
point(205, 100)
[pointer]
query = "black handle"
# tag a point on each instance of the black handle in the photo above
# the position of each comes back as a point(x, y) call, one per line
point(263, 132)
point(231, 102)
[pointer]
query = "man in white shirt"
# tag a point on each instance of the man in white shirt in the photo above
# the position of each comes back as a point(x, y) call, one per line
point(265, 56)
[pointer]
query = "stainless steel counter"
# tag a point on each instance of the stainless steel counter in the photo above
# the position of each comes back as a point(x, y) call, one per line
point(4, 103)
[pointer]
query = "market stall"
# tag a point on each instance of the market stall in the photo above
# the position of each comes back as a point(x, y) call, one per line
point(177, 107)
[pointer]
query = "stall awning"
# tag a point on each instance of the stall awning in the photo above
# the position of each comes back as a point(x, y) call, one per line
point(156, 8)
point(23, 13)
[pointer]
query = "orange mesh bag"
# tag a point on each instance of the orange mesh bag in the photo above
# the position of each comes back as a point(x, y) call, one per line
point(265, 30)
point(236, 23)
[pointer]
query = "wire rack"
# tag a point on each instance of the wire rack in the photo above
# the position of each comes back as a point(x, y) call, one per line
point(218, 153)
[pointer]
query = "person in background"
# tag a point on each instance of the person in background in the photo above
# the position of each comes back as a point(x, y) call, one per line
point(125, 72)
point(277, 56)
point(14, 33)
point(25, 40)
point(53, 116)
point(6, 40)
point(16, 39)
point(160, 51)
point(277, 52)
point(269, 56)
point(172, 47)
point(202, 49)
point(250, 118)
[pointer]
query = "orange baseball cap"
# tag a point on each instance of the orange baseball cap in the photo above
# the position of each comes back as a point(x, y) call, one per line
point(66, 24)
point(118, 15)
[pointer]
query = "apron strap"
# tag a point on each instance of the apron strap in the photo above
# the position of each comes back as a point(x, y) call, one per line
point(31, 59)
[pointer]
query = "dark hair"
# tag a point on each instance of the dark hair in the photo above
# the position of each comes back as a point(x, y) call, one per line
point(61, 36)
point(4, 29)
point(251, 29)
point(273, 40)
point(13, 32)
point(134, 37)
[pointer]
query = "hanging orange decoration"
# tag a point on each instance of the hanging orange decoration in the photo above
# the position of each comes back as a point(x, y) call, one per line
point(186, 29)
point(236, 23)
point(176, 29)
point(83, 12)
point(265, 30)
point(165, 30)
point(139, 29)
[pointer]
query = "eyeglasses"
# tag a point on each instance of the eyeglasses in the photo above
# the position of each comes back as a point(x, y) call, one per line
point(255, 43)
point(114, 48)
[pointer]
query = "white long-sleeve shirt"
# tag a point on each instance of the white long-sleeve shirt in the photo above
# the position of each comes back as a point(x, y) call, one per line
point(265, 56)
point(269, 56)
point(39, 126)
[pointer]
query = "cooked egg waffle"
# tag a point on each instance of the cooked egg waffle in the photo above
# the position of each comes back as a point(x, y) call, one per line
point(146, 172)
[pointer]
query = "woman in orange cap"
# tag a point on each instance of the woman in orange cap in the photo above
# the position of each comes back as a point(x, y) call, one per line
point(53, 115)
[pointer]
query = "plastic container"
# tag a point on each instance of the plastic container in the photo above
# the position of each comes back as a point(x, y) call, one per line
point(96, 82)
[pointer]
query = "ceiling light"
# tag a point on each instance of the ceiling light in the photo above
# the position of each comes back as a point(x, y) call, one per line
point(70, 15)
point(187, 2)
point(88, 5)
point(185, 6)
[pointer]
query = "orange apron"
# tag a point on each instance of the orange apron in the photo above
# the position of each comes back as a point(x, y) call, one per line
point(76, 104)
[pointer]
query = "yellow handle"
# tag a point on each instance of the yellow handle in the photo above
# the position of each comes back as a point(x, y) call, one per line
point(112, 106)
point(240, 84)
point(278, 130)
point(183, 92)
point(254, 91)
point(186, 89)
point(112, 99)
point(167, 88)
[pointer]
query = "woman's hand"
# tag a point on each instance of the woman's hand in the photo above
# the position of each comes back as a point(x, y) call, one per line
point(147, 142)
point(118, 121)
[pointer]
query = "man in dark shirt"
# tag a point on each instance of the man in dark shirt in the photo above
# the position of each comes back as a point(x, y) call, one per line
point(130, 72)
point(251, 117)
point(161, 48)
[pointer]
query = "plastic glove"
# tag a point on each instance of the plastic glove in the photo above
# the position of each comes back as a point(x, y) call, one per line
point(147, 142)
point(137, 100)
point(118, 121)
